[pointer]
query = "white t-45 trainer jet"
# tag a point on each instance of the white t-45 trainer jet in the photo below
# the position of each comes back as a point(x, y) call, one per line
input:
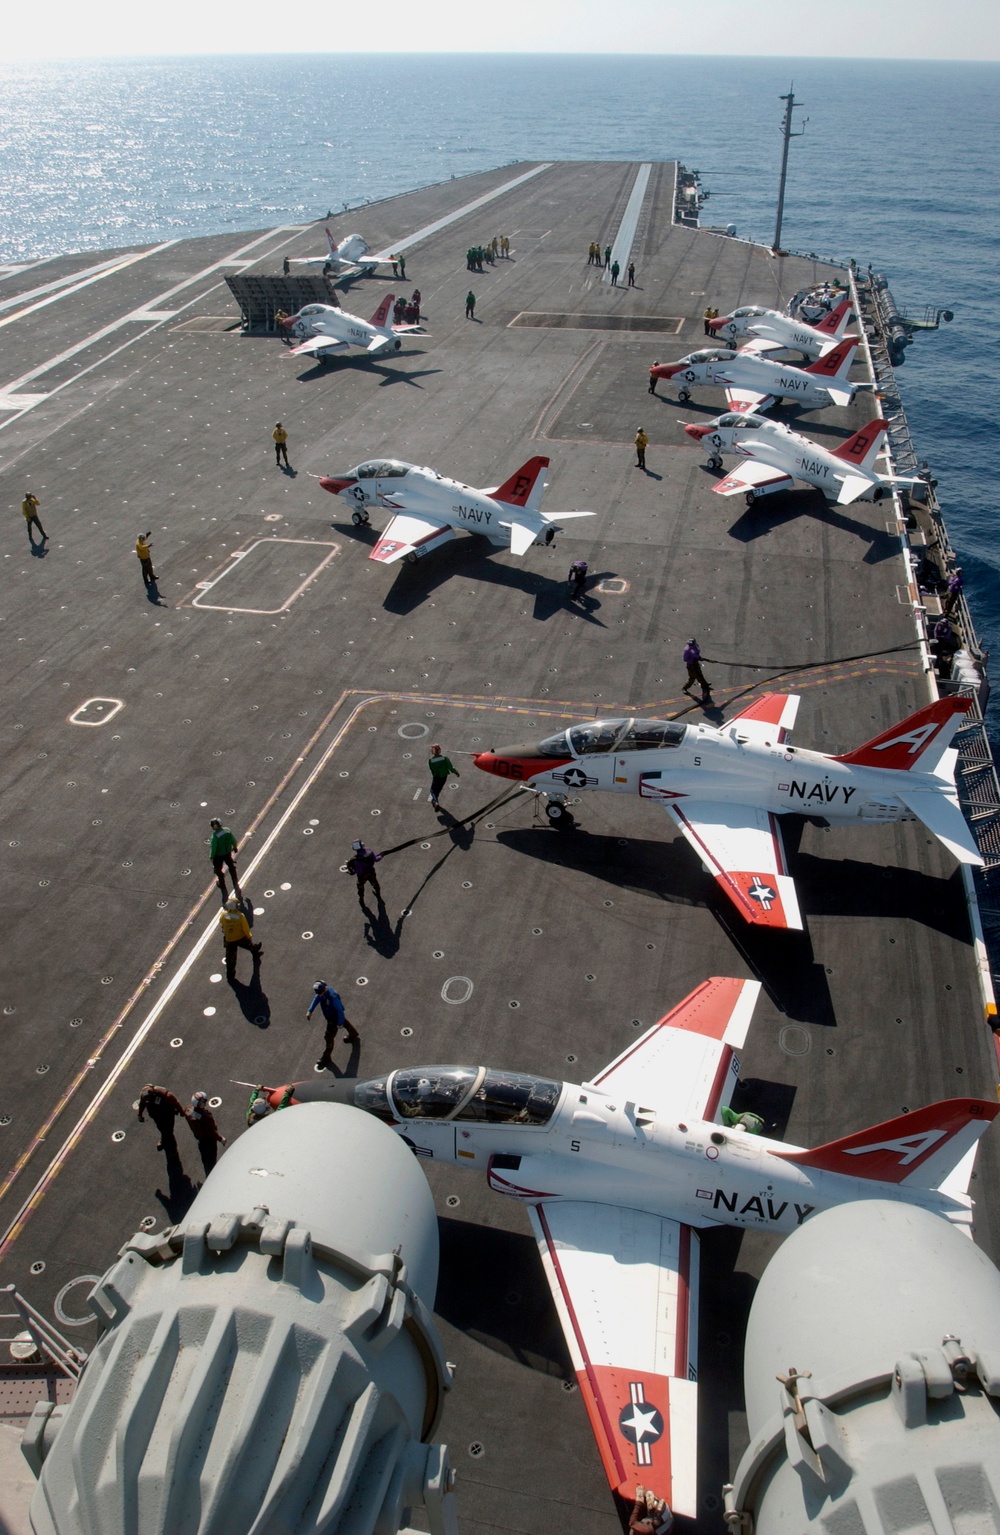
point(754, 383)
point(726, 788)
point(767, 330)
point(351, 258)
point(429, 508)
point(323, 329)
point(774, 457)
point(620, 1173)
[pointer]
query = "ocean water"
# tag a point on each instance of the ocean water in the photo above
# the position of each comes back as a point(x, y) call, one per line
point(897, 167)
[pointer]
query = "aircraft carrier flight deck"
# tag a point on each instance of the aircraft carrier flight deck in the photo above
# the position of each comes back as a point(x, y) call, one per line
point(279, 679)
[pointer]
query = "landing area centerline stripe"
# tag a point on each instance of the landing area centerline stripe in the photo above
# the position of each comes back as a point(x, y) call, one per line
point(55, 298)
point(451, 218)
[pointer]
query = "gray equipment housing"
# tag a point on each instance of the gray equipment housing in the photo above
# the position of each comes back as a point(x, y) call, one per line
point(872, 1376)
point(273, 1365)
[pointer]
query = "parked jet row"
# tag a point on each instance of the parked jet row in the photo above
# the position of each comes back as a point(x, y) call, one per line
point(774, 457)
point(768, 330)
point(429, 508)
point(323, 329)
point(618, 1175)
point(752, 382)
point(725, 788)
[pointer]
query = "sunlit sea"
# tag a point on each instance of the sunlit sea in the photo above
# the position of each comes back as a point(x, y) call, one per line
point(898, 166)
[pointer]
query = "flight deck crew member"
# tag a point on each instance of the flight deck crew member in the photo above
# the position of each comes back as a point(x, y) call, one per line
point(402, 266)
point(332, 1008)
point(143, 544)
point(205, 1131)
point(641, 444)
point(285, 267)
point(652, 378)
point(577, 579)
point(395, 265)
point(692, 660)
point(236, 935)
point(280, 438)
point(956, 582)
point(708, 315)
point(362, 865)
point(162, 1108)
point(223, 855)
point(631, 274)
point(29, 507)
point(615, 269)
point(607, 255)
point(470, 305)
point(440, 766)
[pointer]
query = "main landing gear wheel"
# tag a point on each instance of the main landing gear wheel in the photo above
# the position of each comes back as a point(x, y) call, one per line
point(715, 462)
point(751, 497)
point(684, 395)
point(360, 519)
point(411, 558)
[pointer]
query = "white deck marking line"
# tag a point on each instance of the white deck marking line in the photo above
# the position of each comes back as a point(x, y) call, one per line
point(237, 559)
point(61, 282)
point(621, 250)
point(55, 298)
point(135, 316)
point(451, 218)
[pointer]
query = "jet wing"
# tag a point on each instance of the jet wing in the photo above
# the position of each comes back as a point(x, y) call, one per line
point(761, 344)
point(686, 1064)
point(625, 1286)
point(319, 344)
point(746, 400)
point(769, 718)
point(408, 534)
point(750, 475)
point(741, 846)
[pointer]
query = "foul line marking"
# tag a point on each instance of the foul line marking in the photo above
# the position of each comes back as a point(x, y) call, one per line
point(239, 557)
point(451, 218)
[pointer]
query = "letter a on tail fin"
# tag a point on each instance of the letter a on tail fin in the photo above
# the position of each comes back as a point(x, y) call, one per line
point(381, 314)
point(920, 1150)
point(524, 487)
point(916, 742)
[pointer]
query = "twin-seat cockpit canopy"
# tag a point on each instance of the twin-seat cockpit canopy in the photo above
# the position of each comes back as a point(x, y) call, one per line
point(382, 469)
point(311, 309)
point(746, 422)
point(710, 354)
point(748, 312)
point(627, 735)
point(467, 1093)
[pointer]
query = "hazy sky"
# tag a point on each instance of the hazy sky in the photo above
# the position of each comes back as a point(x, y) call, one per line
point(914, 29)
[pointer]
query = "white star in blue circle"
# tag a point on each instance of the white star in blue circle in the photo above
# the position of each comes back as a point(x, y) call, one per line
point(642, 1423)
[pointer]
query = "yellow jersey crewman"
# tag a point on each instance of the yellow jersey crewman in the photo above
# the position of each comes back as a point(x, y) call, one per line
point(280, 438)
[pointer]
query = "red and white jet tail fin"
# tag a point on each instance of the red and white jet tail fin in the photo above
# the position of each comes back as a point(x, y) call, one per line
point(865, 446)
point(837, 320)
point(381, 315)
point(525, 486)
point(836, 363)
point(918, 741)
point(920, 1150)
point(331, 242)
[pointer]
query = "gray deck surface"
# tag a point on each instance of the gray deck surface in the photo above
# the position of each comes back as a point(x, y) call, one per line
point(285, 692)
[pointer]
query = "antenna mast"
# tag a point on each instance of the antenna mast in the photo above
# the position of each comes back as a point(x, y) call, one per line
point(786, 128)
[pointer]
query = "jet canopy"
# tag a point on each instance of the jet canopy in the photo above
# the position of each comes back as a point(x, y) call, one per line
point(710, 354)
point(460, 1092)
point(745, 422)
point(627, 735)
point(748, 312)
point(382, 469)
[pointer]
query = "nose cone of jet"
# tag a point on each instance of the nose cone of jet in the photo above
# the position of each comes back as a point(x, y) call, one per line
point(335, 484)
point(667, 369)
point(288, 321)
point(719, 322)
point(518, 763)
point(697, 432)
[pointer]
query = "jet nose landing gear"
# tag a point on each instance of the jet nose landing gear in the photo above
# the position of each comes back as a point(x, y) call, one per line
point(558, 814)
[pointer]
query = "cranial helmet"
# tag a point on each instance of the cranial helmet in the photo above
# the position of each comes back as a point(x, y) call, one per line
point(319, 986)
point(232, 904)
